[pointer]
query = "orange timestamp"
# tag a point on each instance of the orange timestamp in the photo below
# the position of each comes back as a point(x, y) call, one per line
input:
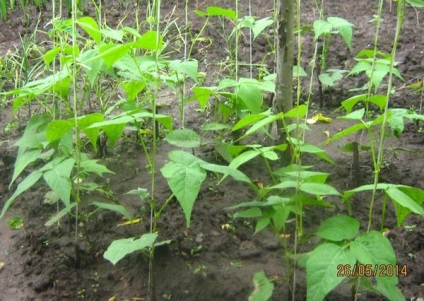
point(372, 270)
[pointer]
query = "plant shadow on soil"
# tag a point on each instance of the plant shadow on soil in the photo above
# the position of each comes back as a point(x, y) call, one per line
point(215, 258)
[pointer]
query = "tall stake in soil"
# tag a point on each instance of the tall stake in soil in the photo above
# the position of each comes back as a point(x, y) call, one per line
point(285, 58)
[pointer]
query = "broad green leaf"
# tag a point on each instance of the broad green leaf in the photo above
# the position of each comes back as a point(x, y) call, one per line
point(202, 95)
point(389, 290)
point(215, 126)
point(91, 67)
point(330, 79)
point(59, 178)
point(113, 207)
point(344, 28)
point(184, 138)
point(261, 224)
point(56, 129)
point(260, 25)
point(24, 158)
point(339, 228)
point(120, 248)
point(226, 170)
point(92, 133)
point(346, 132)
point(189, 68)
point(297, 112)
point(112, 33)
point(185, 177)
point(111, 53)
point(50, 55)
point(349, 103)
point(251, 97)
point(90, 166)
point(151, 40)
point(248, 213)
point(375, 249)
point(355, 115)
point(263, 287)
point(404, 200)
point(244, 157)
point(91, 28)
point(27, 183)
point(313, 149)
point(309, 176)
point(416, 3)
point(319, 189)
point(321, 269)
point(262, 123)
point(402, 212)
point(250, 119)
point(221, 12)
point(321, 27)
point(133, 88)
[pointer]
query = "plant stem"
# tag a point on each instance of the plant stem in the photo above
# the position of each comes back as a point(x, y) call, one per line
point(380, 156)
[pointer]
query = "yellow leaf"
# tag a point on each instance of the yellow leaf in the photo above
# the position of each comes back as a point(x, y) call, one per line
point(319, 117)
point(327, 133)
point(131, 222)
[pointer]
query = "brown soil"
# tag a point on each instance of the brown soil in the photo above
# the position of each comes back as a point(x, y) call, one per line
point(210, 261)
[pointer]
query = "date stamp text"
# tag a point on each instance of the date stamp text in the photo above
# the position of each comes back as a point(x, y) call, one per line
point(371, 270)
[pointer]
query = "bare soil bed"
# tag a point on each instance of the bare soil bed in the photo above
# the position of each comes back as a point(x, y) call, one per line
point(215, 258)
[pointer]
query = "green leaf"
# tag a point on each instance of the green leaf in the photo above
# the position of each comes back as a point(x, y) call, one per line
point(344, 28)
point(24, 158)
point(355, 115)
point(339, 228)
point(250, 119)
point(132, 89)
point(346, 132)
point(190, 68)
point(27, 183)
point(111, 53)
point(319, 189)
point(416, 3)
point(260, 25)
point(215, 126)
point(251, 97)
point(184, 138)
point(92, 133)
point(112, 33)
point(244, 157)
point(59, 178)
point(321, 27)
point(404, 200)
point(226, 170)
point(221, 12)
point(297, 112)
point(321, 269)
point(151, 40)
point(185, 177)
point(248, 213)
point(120, 248)
point(91, 28)
point(89, 166)
point(375, 249)
point(263, 287)
point(114, 207)
point(56, 129)
point(262, 224)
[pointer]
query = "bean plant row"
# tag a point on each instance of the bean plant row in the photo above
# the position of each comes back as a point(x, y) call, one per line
point(92, 83)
